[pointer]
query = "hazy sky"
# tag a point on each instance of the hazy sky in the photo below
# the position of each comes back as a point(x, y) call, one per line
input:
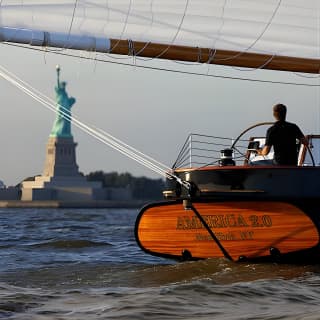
point(153, 111)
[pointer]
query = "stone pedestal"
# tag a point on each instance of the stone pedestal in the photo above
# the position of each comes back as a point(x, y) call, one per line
point(61, 158)
point(61, 179)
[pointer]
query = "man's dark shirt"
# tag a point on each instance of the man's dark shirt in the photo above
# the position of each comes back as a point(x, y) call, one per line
point(282, 136)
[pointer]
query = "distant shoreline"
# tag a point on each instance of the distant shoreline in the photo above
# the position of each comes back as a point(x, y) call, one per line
point(134, 204)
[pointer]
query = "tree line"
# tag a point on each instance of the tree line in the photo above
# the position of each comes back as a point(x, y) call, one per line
point(141, 187)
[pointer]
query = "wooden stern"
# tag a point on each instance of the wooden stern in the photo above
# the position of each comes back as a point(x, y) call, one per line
point(245, 229)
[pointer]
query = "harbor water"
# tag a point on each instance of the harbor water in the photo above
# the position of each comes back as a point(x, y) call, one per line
point(84, 264)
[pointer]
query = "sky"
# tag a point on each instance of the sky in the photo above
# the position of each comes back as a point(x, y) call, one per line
point(151, 110)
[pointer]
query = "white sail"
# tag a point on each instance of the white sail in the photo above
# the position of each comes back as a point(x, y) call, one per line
point(287, 28)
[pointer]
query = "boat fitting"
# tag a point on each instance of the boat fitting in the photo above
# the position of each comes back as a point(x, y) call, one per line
point(275, 252)
point(226, 158)
point(186, 255)
point(187, 204)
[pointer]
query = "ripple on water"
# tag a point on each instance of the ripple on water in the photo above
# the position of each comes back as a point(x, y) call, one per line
point(85, 264)
point(69, 244)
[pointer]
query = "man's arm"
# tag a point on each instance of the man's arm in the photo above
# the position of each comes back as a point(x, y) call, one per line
point(304, 141)
point(264, 151)
point(301, 137)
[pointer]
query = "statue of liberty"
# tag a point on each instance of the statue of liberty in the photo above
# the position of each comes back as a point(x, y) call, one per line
point(62, 125)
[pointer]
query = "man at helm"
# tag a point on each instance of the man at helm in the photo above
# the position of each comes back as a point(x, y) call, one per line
point(283, 137)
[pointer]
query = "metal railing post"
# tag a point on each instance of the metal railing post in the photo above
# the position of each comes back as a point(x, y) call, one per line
point(190, 153)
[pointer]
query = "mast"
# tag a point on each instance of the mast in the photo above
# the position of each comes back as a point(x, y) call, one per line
point(160, 51)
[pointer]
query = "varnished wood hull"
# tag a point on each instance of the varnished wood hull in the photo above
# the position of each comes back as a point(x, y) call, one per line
point(233, 229)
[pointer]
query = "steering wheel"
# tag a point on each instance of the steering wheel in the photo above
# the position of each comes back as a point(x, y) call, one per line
point(264, 124)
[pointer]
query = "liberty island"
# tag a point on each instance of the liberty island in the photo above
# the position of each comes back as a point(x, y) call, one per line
point(61, 179)
point(61, 184)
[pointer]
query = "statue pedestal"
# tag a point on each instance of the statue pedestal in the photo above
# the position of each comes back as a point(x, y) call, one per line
point(61, 158)
point(61, 179)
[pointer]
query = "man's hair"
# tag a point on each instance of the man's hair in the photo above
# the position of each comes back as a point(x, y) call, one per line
point(280, 111)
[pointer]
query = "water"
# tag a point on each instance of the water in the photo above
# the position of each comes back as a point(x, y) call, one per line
point(84, 264)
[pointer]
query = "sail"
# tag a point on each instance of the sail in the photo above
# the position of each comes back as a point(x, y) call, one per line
point(273, 34)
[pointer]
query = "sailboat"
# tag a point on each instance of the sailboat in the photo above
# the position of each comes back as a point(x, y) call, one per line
point(222, 207)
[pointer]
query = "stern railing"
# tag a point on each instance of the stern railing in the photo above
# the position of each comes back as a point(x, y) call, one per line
point(201, 150)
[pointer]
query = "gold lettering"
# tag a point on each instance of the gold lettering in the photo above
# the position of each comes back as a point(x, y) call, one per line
point(231, 220)
point(221, 236)
point(185, 222)
point(254, 221)
point(215, 221)
point(225, 236)
point(241, 221)
point(223, 221)
point(180, 224)
point(246, 235)
point(267, 221)
point(192, 223)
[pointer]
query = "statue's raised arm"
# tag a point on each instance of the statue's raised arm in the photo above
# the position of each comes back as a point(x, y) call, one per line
point(58, 76)
point(62, 124)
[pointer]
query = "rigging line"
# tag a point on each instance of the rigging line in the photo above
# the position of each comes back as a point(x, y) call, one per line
point(266, 27)
point(151, 24)
point(114, 145)
point(257, 39)
point(66, 114)
point(168, 47)
point(73, 17)
point(213, 236)
point(316, 76)
point(124, 26)
point(136, 154)
point(136, 54)
point(212, 54)
point(129, 151)
point(70, 26)
point(258, 68)
point(134, 149)
point(175, 36)
point(165, 69)
point(86, 128)
point(130, 42)
point(107, 18)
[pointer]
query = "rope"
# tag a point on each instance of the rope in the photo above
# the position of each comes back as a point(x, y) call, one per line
point(73, 17)
point(174, 37)
point(98, 134)
point(213, 236)
point(257, 39)
point(124, 26)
